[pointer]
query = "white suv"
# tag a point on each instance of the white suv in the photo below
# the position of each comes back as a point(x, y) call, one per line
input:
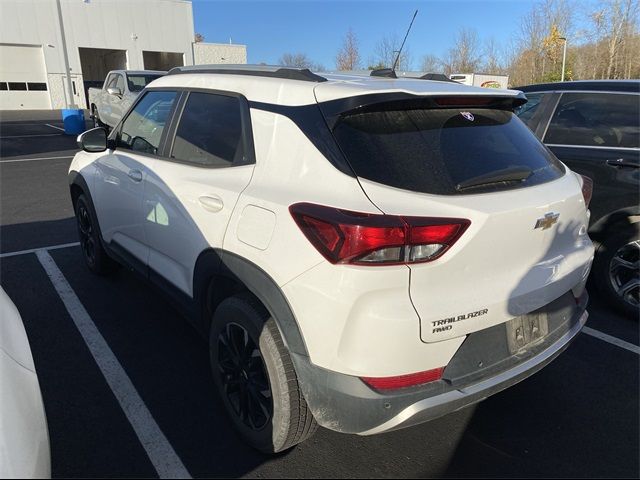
point(361, 253)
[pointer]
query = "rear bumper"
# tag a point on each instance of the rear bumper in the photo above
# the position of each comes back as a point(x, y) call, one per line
point(344, 403)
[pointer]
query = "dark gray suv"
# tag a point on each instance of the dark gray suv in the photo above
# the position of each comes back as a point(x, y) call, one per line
point(594, 127)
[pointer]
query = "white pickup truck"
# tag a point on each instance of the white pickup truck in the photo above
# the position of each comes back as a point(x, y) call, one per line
point(119, 91)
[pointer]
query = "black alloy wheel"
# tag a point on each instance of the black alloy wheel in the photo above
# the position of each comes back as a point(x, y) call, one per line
point(86, 231)
point(624, 273)
point(244, 377)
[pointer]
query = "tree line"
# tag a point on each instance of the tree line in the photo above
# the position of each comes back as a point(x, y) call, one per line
point(603, 42)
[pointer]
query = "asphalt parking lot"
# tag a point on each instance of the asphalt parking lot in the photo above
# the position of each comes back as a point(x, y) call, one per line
point(579, 417)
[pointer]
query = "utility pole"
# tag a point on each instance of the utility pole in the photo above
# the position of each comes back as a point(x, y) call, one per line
point(70, 103)
point(564, 57)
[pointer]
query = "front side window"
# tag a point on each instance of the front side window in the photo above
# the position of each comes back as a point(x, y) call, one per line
point(120, 83)
point(210, 131)
point(596, 120)
point(111, 82)
point(142, 129)
point(137, 82)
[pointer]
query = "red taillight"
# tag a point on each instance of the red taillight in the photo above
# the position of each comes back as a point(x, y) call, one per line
point(587, 189)
point(404, 381)
point(343, 236)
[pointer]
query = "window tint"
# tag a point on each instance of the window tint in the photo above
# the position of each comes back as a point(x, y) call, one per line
point(597, 120)
point(3, 86)
point(438, 150)
point(525, 112)
point(210, 131)
point(142, 129)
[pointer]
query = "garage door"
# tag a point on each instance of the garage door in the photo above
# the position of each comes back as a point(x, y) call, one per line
point(23, 78)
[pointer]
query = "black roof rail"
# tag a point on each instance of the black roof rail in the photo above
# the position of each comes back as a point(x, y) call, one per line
point(287, 73)
point(440, 77)
point(384, 72)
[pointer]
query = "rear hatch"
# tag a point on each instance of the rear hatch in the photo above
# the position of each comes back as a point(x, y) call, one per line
point(526, 243)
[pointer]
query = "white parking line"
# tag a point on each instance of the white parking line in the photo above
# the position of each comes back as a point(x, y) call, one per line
point(612, 340)
point(34, 159)
point(34, 250)
point(159, 450)
point(53, 126)
point(31, 136)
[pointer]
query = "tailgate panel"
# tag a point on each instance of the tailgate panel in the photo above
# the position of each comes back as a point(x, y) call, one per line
point(502, 266)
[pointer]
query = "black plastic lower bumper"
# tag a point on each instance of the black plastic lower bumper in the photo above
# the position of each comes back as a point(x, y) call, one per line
point(344, 403)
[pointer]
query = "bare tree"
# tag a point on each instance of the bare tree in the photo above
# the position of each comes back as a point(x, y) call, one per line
point(618, 17)
point(431, 64)
point(295, 60)
point(492, 62)
point(348, 57)
point(386, 52)
point(464, 56)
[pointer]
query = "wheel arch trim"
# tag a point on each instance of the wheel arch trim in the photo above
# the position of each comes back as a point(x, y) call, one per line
point(216, 262)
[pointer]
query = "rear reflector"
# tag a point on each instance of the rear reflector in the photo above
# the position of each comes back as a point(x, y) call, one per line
point(587, 189)
point(343, 236)
point(404, 381)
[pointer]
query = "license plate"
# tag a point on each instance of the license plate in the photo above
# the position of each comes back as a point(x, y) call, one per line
point(524, 331)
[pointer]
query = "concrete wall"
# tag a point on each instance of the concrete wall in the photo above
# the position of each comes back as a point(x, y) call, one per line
point(207, 53)
point(131, 25)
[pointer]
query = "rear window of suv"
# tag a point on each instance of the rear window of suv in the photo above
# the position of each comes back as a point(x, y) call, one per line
point(445, 151)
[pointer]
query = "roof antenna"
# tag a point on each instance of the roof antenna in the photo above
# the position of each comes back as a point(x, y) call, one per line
point(395, 64)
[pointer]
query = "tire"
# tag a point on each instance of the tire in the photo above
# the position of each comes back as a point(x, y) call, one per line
point(95, 257)
point(277, 416)
point(616, 270)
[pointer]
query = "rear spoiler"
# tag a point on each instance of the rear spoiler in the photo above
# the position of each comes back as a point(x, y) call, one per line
point(335, 109)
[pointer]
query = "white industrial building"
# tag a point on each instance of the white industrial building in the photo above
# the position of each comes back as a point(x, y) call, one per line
point(100, 35)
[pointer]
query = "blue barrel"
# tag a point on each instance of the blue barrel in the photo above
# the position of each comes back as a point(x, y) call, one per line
point(73, 120)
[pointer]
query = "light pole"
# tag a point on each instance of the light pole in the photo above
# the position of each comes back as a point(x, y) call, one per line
point(70, 102)
point(564, 57)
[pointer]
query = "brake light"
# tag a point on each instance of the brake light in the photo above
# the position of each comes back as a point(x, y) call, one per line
point(343, 236)
point(587, 189)
point(404, 381)
point(464, 101)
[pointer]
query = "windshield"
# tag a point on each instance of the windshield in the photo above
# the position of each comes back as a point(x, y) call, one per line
point(138, 82)
point(439, 150)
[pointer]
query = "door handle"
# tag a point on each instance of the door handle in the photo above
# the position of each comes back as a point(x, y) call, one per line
point(211, 203)
point(135, 175)
point(621, 162)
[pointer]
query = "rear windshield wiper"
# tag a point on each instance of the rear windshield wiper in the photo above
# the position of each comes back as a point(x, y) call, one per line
point(507, 175)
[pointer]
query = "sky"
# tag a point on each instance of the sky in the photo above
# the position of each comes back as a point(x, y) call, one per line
point(317, 28)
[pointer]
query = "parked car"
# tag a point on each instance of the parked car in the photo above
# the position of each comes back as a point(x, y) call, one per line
point(594, 128)
point(118, 92)
point(24, 437)
point(361, 253)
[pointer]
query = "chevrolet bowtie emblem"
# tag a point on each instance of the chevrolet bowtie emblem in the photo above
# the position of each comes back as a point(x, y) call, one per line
point(547, 221)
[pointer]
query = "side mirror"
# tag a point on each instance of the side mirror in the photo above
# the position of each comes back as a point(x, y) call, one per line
point(114, 91)
point(94, 140)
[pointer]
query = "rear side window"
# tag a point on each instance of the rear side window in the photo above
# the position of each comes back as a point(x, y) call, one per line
point(445, 151)
point(137, 82)
point(209, 133)
point(142, 129)
point(596, 120)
